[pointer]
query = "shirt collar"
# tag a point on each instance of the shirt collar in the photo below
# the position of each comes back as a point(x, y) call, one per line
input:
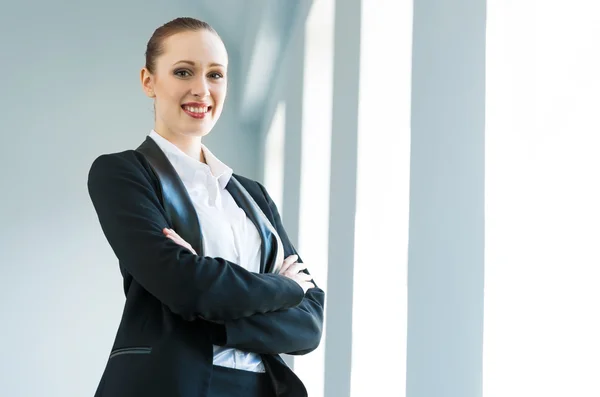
point(187, 167)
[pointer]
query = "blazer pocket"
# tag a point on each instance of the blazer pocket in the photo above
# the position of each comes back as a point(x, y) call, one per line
point(130, 350)
point(126, 373)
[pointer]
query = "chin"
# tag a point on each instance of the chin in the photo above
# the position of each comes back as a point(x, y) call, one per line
point(204, 133)
point(199, 132)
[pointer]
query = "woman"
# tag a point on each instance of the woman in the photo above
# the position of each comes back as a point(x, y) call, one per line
point(210, 300)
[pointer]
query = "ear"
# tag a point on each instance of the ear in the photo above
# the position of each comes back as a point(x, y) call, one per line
point(147, 82)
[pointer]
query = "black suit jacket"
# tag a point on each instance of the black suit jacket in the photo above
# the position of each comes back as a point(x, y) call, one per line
point(179, 304)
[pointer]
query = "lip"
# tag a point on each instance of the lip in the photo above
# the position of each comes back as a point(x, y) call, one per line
point(198, 105)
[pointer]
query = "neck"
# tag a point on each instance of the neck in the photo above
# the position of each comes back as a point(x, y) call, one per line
point(189, 144)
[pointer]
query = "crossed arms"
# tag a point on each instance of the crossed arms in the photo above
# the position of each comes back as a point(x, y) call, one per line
point(260, 313)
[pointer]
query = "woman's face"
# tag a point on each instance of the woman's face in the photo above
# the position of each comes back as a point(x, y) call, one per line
point(189, 84)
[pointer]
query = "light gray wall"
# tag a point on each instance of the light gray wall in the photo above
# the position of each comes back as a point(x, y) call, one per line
point(69, 79)
point(342, 205)
point(446, 233)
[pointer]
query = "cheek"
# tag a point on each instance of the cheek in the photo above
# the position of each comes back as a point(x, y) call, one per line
point(171, 94)
point(219, 93)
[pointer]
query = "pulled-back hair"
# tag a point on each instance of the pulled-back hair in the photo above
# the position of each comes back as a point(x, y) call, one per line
point(155, 47)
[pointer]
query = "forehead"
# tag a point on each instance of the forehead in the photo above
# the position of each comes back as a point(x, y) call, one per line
point(201, 47)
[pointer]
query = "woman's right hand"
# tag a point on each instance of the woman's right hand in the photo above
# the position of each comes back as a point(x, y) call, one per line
point(292, 269)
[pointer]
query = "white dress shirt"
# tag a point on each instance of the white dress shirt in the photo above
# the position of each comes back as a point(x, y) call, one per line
point(226, 230)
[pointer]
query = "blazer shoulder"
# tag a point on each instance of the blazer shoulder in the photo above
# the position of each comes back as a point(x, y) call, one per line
point(128, 162)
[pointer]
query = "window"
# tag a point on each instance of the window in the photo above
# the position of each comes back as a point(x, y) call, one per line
point(274, 153)
point(379, 367)
point(315, 172)
point(542, 278)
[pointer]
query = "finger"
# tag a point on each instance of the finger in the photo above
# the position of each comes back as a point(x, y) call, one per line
point(310, 284)
point(283, 268)
point(303, 277)
point(174, 236)
point(183, 243)
point(296, 268)
point(306, 286)
point(288, 262)
point(178, 240)
point(172, 232)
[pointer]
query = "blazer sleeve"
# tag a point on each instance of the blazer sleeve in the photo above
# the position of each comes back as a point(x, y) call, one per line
point(295, 330)
point(132, 218)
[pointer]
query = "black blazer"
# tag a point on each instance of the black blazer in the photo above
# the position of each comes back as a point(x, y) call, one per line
point(179, 304)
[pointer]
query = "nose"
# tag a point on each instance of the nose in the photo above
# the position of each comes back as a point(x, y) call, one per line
point(200, 87)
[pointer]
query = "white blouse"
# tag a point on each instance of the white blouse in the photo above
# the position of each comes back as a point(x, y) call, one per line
point(226, 230)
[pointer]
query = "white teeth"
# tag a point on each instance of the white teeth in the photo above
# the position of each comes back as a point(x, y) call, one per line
point(192, 109)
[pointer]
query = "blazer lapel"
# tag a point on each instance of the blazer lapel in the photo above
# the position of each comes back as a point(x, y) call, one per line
point(175, 198)
point(268, 249)
point(182, 213)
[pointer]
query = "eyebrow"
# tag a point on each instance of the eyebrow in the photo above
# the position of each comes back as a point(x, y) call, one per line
point(194, 64)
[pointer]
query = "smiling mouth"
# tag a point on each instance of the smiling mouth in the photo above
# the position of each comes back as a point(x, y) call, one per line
point(196, 109)
point(197, 112)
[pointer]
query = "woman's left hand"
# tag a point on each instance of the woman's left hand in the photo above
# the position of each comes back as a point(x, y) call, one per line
point(170, 233)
